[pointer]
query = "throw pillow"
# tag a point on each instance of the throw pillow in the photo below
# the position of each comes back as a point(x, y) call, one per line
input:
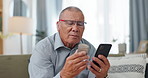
point(126, 67)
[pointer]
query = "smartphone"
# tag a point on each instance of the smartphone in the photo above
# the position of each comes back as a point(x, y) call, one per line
point(103, 49)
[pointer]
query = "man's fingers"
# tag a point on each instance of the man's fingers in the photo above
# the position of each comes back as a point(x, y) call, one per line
point(82, 63)
point(80, 59)
point(100, 62)
point(105, 60)
point(82, 68)
point(77, 55)
point(92, 70)
point(94, 66)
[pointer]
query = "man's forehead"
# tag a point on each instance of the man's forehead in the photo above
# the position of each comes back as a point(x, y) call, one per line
point(68, 13)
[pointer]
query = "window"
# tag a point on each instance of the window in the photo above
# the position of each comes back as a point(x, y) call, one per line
point(107, 20)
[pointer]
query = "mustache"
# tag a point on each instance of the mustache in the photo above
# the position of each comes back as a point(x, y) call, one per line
point(74, 34)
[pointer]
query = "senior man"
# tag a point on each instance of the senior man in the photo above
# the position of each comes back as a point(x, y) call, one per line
point(57, 57)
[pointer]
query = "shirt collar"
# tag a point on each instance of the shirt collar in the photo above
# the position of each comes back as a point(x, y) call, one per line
point(58, 42)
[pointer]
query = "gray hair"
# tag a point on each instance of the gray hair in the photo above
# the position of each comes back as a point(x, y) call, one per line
point(70, 8)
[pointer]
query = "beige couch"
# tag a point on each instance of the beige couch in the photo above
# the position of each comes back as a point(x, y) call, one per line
point(14, 66)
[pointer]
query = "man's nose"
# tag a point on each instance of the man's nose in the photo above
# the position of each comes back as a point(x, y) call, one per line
point(75, 28)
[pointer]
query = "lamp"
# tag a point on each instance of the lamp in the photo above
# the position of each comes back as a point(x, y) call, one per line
point(21, 25)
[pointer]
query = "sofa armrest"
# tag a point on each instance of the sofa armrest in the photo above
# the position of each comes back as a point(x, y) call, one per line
point(14, 66)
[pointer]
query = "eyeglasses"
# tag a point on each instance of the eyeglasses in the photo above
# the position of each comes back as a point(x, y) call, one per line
point(71, 22)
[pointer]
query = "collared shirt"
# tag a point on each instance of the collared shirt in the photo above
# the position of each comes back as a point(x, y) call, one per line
point(49, 56)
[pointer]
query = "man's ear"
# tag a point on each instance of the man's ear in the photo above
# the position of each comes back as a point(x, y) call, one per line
point(58, 25)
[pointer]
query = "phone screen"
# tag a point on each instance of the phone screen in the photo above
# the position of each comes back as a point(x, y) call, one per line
point(103, 49)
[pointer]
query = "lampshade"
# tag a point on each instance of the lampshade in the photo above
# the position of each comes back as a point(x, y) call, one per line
point(19, 24)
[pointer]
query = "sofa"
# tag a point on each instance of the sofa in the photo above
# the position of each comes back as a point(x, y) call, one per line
point(16, 66)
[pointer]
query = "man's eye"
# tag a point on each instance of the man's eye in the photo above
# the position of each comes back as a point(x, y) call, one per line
point(70, 23)
point(80, 23)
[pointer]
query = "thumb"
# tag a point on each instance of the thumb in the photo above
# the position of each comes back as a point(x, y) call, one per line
point(76, 51)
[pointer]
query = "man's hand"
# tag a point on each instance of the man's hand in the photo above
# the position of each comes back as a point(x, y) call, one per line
point(74, 65)
point(101, 71)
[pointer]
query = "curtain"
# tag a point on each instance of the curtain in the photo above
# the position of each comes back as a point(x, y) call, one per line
point(138, 23)
point(41, 20)
point(20, 8)
point(47, 11)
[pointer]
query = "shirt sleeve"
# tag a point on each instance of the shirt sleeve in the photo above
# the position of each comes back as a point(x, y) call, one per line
point(40, 65)
point(91, 53)
point(57, 76)
point(91, 75)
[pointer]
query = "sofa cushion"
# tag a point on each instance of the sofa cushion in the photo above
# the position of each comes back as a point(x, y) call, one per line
point(127, 67)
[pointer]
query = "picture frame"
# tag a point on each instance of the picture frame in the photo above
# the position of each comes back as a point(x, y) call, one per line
point(143, 46)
